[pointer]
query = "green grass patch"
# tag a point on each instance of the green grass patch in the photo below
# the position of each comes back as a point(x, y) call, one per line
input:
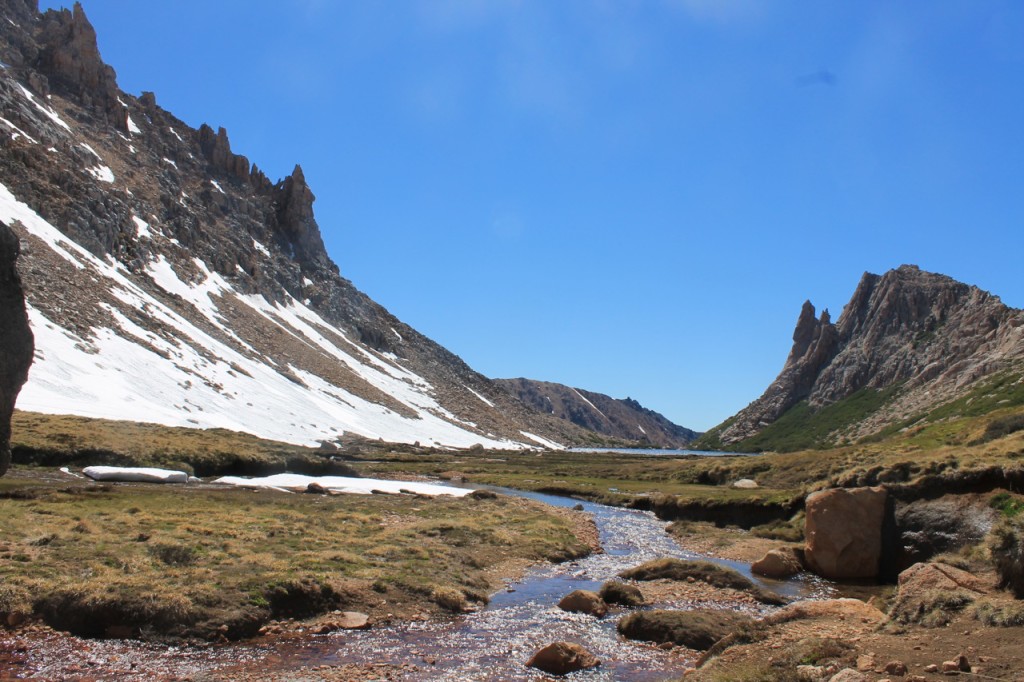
point(1008, 505)
point(198, 562)
point(804, 428)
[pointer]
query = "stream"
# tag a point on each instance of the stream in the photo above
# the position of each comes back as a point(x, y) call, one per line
point(493, 643)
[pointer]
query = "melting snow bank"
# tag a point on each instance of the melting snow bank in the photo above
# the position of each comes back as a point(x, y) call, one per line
point(342, 484)
point(141, 474)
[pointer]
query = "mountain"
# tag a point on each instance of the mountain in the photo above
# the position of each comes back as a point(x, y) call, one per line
point(169, 280)
point(907, 342)
point(617, 419)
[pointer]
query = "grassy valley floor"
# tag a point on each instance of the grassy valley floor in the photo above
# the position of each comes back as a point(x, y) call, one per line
point(203, 562)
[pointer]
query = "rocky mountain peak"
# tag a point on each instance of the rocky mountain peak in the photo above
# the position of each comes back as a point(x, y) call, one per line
point(294, 200)
point(217, 149)
point(70, 58)
point(926, 332)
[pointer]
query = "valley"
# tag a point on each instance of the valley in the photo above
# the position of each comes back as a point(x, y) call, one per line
point(165, 304)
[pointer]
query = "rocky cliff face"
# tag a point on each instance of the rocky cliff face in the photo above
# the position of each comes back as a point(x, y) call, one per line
point(932, 337)
point(169, 280)
point(625, 420)
point(15, 339)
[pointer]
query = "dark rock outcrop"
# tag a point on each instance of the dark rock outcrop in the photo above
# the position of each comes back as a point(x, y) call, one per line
point(71, 59)
point(16, 343)
point(930, 335)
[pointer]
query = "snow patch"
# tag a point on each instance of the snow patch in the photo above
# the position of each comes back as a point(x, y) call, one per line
point(140, 474)
point(343, 484)
point(175, 133)
point(166, 160)
point(216, 185)
point(17, 132)
point(142, 227)
point(132, 127)
point(594, 407)
point(259, 247)
point(47, 111)
point(482, 399)
point(549, 444)
point(101, 173)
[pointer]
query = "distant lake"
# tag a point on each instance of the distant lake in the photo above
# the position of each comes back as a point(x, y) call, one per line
point(655, 452)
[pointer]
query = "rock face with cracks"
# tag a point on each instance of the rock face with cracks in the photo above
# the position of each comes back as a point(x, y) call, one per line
point(16, 344)
point(844, 532)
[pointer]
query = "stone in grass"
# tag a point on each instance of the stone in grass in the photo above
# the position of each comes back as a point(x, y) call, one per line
point(584, 601)
point(698, 629)
point(562, 658)
point(615, 592)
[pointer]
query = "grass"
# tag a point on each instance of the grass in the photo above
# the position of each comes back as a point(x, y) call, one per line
point(195, 562)
point(802, 427)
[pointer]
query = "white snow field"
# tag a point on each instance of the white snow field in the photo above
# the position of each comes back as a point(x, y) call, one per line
point(186, 377)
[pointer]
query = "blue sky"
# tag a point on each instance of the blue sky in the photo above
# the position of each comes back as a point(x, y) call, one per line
point(629, 197)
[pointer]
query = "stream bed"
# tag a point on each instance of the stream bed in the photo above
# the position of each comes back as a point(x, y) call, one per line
point(493, 643)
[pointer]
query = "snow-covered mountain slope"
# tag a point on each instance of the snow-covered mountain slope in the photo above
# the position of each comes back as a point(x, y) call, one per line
point(170, 281)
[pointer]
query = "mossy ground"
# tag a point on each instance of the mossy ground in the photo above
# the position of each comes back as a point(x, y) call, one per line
point(200, 561)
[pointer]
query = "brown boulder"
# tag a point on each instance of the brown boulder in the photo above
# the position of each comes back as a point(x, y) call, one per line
point(16, 342)
point(562, 658)
point(584, 601)
point(844, 532)
point(781, 562)
point(930, 593)
point(939, 576)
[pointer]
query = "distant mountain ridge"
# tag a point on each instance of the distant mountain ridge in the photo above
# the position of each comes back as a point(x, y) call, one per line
point(907, 341)
point(169, 280)
point(624, 419)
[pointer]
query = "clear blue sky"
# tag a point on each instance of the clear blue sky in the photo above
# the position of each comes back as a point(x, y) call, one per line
point(629, 197)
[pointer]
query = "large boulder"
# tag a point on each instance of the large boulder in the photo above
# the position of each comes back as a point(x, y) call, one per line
point(16, 342)
point(844, 532)
point(562, 658)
